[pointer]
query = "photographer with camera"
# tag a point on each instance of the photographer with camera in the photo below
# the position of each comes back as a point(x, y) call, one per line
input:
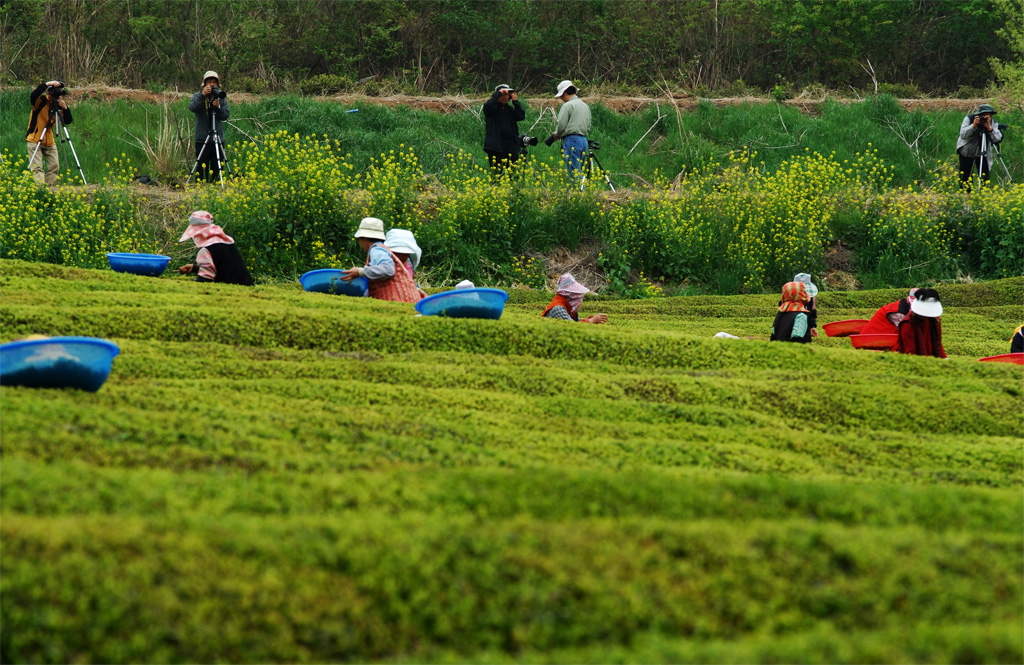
point(976, 127)
point(501, 140)
point(573, 127)
point(208, 104)
point(45, 108)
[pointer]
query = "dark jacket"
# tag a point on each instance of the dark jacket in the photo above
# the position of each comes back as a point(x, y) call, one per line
point(229, 264)
point(201, 106)
point(40, 117)
point(782, 328)
point(501, 122)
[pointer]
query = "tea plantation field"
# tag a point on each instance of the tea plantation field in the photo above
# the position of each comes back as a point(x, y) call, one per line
point(272, 475)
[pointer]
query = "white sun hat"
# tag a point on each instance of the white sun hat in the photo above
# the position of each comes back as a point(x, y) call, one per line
point(371, 227)
point(927, 305)
point(211, 74)
point(805, 279)
point(465, 284)
point(403, 242)
point(562, 86)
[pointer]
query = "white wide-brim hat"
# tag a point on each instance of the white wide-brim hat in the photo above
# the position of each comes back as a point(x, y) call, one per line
point(403, 242)
point(211, 74)
point(465, 284)
point(569, 284)
point(562, 86)
point(928, 307)
point(805, 279)
point(371, 227)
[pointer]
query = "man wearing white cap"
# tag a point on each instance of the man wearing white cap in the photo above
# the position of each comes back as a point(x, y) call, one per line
point(573, 126)
point(387, 276)
point(207, 105)
point(566, 303)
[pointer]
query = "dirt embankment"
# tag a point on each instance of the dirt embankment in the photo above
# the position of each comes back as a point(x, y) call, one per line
point(455, 103)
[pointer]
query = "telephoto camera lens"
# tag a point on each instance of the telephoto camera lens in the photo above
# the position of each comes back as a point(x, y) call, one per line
point(525, 140)
point(549, 141)
point(217, 93)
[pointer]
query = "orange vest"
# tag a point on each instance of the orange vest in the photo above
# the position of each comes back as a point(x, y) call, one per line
point(41, 116)
point(561, 300)
point(399, 288)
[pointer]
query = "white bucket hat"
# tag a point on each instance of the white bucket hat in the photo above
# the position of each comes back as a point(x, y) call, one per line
point(403, 242)
point(567, 283)
point(211, 74)
point(465, 284)
point(805, 279)
point(371, 227)
point(562, 86)
point(928, 306)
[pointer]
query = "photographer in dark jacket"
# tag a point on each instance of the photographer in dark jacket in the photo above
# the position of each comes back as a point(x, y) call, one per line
point(207, 104)
point(42, 107)
point(501, 142)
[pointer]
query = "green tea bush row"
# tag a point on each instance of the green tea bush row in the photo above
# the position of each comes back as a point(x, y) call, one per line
point(373, 586)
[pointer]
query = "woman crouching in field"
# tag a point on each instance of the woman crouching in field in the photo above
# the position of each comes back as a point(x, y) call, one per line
point(791, 323)
point(920, 333)
point(219, 259)
point(566, 303)
point(388, 277)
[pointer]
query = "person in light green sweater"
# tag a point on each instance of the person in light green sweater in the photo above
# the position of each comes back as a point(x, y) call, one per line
point(573, 127)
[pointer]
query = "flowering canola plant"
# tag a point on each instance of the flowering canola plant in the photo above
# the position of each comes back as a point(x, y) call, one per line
point(297, 200)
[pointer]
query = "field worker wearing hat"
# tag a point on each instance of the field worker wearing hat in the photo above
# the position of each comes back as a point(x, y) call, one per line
point(791, 322)
point(502, 113)
point(566, 303)
point(968, 147)
point(389, 279)
point(920, 333)
point(573, 126)
point(886, 318)
point(403, 244)
point(219, 259)
point(205, 105)
point(812, 306)
point(1017, 341)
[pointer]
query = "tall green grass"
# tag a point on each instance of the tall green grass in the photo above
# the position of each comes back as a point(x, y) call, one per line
point(684, 141)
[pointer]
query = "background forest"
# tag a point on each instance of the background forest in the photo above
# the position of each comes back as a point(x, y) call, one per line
point(906, 47)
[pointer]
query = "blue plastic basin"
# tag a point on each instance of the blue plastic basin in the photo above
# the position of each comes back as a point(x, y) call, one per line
point(152, 265)
point(329, 280)
point(57, 362)
point(465, 304)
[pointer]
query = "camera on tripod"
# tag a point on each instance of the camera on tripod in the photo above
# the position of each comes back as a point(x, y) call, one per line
point(217, 93)
point(56, 91)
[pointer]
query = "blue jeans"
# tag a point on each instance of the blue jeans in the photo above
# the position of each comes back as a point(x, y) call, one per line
point(573, 150)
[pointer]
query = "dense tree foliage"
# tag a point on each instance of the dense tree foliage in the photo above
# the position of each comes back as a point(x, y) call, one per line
point(468, 45)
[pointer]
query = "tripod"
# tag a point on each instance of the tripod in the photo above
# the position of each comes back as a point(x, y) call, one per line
point(588, 170)
point(56, 124)
point(983, 157)
point(218, 147)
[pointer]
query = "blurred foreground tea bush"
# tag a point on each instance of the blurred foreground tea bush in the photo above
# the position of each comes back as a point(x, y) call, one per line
point(297, 200)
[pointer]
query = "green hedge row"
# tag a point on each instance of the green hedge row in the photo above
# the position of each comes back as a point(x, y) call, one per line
point(371, 586)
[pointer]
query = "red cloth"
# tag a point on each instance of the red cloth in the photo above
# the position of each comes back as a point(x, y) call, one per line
point(399, 288)
point(921, 336)
point(564, 302)
point(879, 323)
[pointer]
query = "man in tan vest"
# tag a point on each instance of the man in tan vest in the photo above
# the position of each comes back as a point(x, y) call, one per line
point(42, 118)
